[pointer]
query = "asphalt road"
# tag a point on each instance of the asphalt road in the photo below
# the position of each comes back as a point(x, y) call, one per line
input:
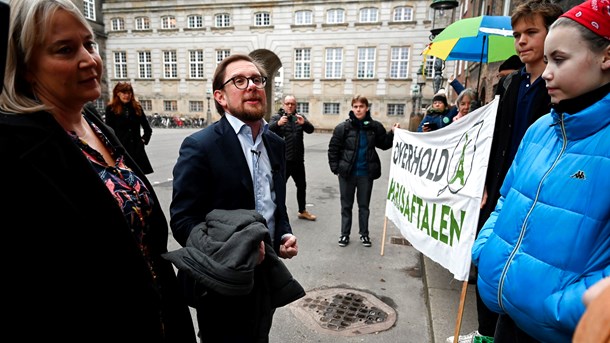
point(425, 304)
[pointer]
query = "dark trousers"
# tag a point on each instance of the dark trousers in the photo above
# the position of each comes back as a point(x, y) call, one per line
point(362, 187)
point(237, 318)
point(296, 169)
point(508, 332)
point(487, 318)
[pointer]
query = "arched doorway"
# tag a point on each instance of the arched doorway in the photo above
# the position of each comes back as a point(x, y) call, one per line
point(272, 64)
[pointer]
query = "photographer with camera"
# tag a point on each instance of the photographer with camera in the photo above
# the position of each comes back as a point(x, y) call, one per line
point(290, 125)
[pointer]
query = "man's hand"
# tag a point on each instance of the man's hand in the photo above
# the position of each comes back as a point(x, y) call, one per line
point(261, 253)
point(484, 198)
point(300, 119)
point(289, 247)
point(283, 120)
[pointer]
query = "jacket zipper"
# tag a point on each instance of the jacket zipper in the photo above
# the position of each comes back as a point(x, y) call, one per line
point(523, 227)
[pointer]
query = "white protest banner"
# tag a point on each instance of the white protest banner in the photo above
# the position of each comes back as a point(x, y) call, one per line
point(435, 187)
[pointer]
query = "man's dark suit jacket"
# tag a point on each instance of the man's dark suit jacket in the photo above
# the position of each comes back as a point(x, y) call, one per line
point(212, 173)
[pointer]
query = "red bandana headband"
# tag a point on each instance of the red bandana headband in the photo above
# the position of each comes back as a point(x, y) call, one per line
point(592, 14)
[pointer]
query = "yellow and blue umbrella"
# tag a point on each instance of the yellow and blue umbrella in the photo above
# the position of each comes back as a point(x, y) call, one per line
point(481, 39)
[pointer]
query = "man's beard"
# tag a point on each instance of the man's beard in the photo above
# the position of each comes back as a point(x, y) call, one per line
point(249, 114)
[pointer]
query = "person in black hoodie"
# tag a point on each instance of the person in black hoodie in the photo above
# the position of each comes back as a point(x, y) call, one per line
point(352, 156)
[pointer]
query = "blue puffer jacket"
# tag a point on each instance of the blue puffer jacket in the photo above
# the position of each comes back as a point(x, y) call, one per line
point(548, 239)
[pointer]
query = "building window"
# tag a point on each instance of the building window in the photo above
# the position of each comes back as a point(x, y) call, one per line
point(403, 14)
point(303, 18)
point(144, 65)
point(195, 21)
point(222, 54)
point(368, 15)
point(170, 64)
point(195, 106)
point(331, 108)
point(170, 105)
point(396, 109)
point(335, 16)
point(262, 19)
point(302, 107)
point(120, 64)
point(222, 20)
point(196, 64)
point(117, 24)
point(146, 104)
point(399, 64)
point(302, 63)
point(366, 63)
point(100, 104)
point(89, 9)
point(430, 61)
point(142, 23)
point(168, 22)
point(334, 63)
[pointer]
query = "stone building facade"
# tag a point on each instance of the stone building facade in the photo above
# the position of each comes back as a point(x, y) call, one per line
point(323, 52)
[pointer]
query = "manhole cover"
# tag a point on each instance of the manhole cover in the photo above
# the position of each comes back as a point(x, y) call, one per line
point(344, 311)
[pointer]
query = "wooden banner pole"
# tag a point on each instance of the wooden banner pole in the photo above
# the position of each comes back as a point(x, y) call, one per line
point(385, 227)
point(460, 313)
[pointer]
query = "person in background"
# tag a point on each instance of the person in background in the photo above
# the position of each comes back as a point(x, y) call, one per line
point(524, 101)
point(512, 64)
point(464, 102)
point(235, 163)
point(84, 228)
point(125, 115)
point(455, 84)
point(437, 116)
point(548, 239)
point(353, 157)
point(290, 125)
point(508, 66)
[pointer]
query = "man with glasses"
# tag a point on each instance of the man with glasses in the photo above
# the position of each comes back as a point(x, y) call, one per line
point(235, 163)
point(290, 125)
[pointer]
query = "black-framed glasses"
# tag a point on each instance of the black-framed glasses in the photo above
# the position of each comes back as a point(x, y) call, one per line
point(242, 82)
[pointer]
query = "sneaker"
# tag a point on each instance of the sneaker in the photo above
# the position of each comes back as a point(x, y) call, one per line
point(366, 241)
point(306, 215)
point(469, 338)
point(343, 241)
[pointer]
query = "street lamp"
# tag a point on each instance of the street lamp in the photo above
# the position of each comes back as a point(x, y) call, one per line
point(417, 91)
point(208, 95)
point(439, 65)
point(444, 14)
